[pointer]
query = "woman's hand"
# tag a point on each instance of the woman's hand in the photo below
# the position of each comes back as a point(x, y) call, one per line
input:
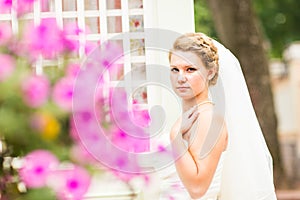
point(184, 125)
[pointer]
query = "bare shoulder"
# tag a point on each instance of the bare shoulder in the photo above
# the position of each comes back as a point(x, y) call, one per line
point(210, 132)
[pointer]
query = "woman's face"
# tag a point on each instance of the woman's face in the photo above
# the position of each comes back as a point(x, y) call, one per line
point(188, 75)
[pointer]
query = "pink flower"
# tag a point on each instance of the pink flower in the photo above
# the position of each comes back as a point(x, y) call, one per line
point(90, 46)
point(131, 135)
point(71, 31)
point(141, 117)
point(24, 6)
point(129, 142)
point(7, 66)
point(63, 93)
point(46, 39)
point(71, 183)
point(73, 69)
point(5, 33)
point(5, 6)
point(108, 55)
point(36, 168)
point(35, 90)
point(45, 5)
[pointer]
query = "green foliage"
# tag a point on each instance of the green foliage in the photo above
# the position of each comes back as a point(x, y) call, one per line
point(280, 21)
point(48, 194)
point(203, 19)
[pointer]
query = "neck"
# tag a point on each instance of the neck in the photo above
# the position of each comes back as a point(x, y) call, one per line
point(187, 104)
point(201, 97)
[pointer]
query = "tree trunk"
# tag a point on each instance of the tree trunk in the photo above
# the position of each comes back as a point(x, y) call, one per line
point(238, 30)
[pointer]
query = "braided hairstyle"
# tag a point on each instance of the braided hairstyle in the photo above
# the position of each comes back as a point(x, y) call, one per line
point(203, 47)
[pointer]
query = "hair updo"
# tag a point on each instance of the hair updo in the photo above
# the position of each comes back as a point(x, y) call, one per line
point(203, 47)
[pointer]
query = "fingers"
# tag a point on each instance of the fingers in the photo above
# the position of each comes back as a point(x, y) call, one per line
point(193, 116)
point(190, 112)
point(189, 119)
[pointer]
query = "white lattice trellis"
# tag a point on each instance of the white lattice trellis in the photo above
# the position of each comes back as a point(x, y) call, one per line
point(105, 19)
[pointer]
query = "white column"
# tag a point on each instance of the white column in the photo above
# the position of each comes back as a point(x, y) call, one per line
point(292, 57)
point(172, 15)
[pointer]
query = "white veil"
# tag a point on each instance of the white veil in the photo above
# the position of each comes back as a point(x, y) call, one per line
point(247, 171)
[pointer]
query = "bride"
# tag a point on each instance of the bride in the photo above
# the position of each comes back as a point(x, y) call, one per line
point(219, 149)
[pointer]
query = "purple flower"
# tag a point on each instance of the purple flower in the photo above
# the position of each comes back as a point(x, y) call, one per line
point(7, 66)
point(35, 90)
point(36, 168)
point(5, 33)
point(63, 93)
point(70, 183)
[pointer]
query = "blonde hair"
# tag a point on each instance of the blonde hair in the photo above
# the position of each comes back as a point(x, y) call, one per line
point(203, 47)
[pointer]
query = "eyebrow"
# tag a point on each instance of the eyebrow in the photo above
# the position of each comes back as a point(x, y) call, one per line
point(183, 66)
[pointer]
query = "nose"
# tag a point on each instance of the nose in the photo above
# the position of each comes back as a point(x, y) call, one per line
point(181, 78)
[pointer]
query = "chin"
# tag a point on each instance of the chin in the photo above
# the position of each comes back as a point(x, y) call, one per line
point(185, 97)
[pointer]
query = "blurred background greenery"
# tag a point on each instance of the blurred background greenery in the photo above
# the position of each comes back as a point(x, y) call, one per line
point(279, 21)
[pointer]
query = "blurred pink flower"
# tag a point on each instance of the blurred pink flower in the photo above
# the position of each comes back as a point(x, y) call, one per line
point(141, 117)
point(129, 142)
point(35, 90)
point(71, 183)
point(5, 6)
point(5, 33)
point(36, 168)
point(71, 31)
point(63, 93)
point(73, 69)
point(131, 134)
point(7, 66)
point(46, 39)
point(24, 6)
point(45, 5)
point(107, 54)
point(113, 53)
point(90, 46)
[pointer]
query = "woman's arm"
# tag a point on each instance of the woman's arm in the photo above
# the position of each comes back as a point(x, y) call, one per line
point(195, 173)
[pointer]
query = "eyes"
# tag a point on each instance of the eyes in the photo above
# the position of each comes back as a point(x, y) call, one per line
point(189, 69)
